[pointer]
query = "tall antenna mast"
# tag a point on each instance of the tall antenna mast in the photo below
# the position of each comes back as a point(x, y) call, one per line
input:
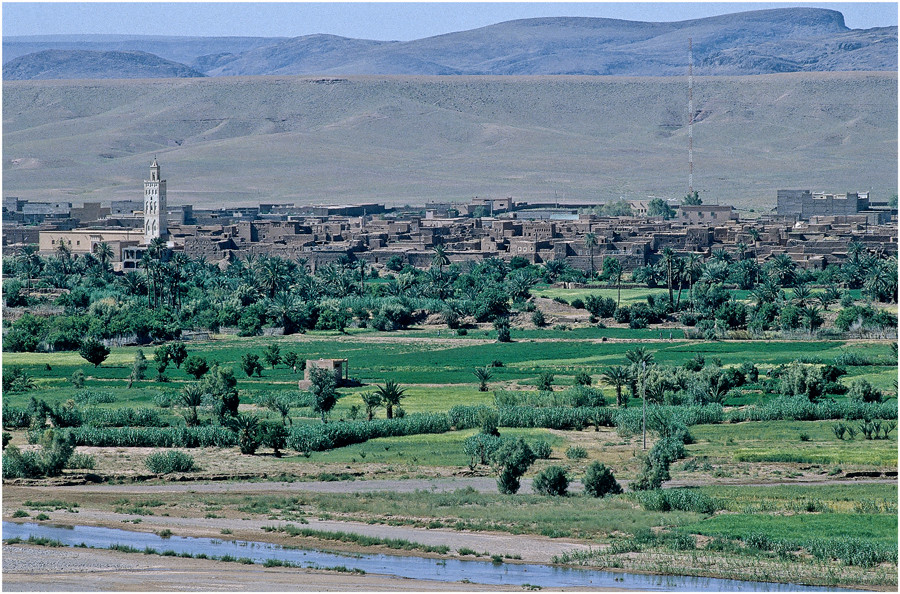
point(690, 115)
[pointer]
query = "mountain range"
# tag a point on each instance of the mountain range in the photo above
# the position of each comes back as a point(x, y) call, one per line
point(747, 43)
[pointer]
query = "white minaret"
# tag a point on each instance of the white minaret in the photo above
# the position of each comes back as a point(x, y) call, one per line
point(154, 205)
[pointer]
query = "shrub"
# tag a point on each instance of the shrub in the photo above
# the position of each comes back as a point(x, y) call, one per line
point(56, 448)
point(537, 318)
point(77, 378)
point(862, 391)
point(542, 449)
point(577, 303)
point(81, 462)
point(678, 499)
point(583, 378)
point(168, 462)
point(512, 459)
point(7, 437)
point(576, 453)
point(545, 381)
point(551, 481)
point(16, 418)
point(480, 448)
point(599, 481)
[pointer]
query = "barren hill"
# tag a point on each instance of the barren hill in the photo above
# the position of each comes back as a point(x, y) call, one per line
point(411, 139)
point(756, 42)
point(50, 64)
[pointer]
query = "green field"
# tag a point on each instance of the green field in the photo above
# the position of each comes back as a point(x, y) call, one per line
point(780, 441)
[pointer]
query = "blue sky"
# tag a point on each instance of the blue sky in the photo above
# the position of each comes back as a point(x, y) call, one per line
point(370, 20)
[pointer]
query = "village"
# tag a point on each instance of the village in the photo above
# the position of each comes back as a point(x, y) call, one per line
point(813, 228)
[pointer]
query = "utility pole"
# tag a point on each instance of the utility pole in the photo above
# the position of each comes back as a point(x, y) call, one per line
point(644, 398)
point(690, 115)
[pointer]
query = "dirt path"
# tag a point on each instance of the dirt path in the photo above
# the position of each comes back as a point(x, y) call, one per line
point(437, 485)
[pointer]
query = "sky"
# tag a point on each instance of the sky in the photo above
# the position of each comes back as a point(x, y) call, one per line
point(398, 21)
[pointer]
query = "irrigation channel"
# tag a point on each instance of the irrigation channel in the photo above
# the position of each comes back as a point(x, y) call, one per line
point(445, 570)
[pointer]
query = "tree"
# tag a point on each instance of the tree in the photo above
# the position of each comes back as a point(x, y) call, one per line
point(668, 259)
point(250, 364)
point(391, 393)
point(138, 368)
point(93, 351)
point(247, 428)
point(599, 481)
point(178, 353)
point(196, 366)
point(619, 377)
point(511, 460)
point(501, 325)
point(272, 355)
point(372, 401)
point(191, 398)
point(660, 208)
point(483, 375)
point(104, 253)
point(291, 359)
point(274, 436)
point(161, 355)
point(219, 389)
point(590, 242)
point(545, 381)
point(551, 481)
point(440, 258)
point(323, 388)
point(692, 199)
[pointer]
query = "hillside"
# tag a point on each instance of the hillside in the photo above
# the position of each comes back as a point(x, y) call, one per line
point(55, 64)
point(411, 139)
point(757, 42)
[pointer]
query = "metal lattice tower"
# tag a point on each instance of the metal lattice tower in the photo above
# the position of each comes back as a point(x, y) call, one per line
point(690, 115)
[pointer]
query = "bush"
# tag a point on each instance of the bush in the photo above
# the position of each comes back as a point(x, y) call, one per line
point(861, 390)
point(583, 378)
point(551, 481)
point(542, 449)
point(537, 318)
point(81, 462)
point(512, 459)
point(56, 449)
point(576, 453)
point(7, 437)
point(577, 303)
point(16, 418)
point(168, 462)
point(545, 381)
point(678, 499)
point(599, 481)
point(481, 448)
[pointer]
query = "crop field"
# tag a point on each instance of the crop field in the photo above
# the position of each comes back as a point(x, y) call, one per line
point(810, 442)
point(722, 465)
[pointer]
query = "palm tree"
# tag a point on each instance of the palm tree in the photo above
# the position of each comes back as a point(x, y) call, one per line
point(618, 376)
point(64, 255)
point(554, 269)
point(741, 248)
point(754, 233)
point(484, 375)
point(693, 270)
point(372, 401)
point(390, 394)
point(615, 269)
point(639, 355)
point(668, 257)
point(802, 294)
point(247, 428)
point(104, 253)
point(191, 398)
point(785, 269)
point(812, 317)
point(590, 242)
point(440, 258)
